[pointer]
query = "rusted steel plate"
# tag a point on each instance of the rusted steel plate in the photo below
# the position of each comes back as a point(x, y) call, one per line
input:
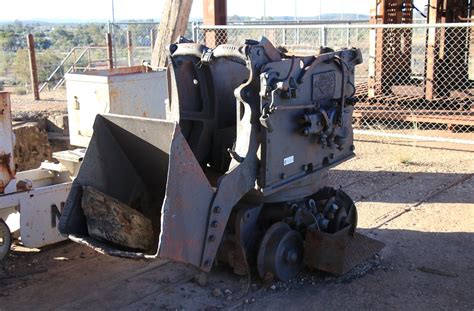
point(338, 253)
point(148, 163)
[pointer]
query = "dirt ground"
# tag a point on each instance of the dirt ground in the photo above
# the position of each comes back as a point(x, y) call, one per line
point(25, 107)
point(418, 200)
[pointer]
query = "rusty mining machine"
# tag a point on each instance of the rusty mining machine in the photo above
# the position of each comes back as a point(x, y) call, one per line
point(238, 171)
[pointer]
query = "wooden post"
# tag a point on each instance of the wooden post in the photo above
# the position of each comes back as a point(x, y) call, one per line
point(108, 41)
point(33, 68)
point(129, 48)
point(215, 13)
point(173, 24)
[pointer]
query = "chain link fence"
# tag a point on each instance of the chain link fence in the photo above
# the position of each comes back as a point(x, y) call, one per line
point(133, 41)
point(417, 80)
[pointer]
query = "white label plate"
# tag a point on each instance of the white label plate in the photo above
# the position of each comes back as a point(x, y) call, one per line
point(288, 160)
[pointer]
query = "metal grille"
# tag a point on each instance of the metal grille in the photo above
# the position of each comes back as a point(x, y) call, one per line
point(417, 80)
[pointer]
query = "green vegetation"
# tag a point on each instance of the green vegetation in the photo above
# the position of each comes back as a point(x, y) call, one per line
point(58, 37)
point(52, 41)
point(48, 60)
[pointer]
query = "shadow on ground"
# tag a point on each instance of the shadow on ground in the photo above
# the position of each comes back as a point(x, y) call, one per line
point(399, 187)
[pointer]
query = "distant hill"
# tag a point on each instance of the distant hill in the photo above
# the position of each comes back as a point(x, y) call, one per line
point(49, 21)
point(63, 21)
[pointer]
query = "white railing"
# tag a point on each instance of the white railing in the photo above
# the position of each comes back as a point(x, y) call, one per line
point(77, 59)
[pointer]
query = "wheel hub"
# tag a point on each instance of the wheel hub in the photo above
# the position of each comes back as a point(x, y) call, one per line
point(5, 240)
point(280, 253)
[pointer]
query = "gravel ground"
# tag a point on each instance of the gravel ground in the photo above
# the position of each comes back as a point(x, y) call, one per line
point(417, 200)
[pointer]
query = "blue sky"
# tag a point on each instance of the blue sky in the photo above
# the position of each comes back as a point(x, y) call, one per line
point(141, 9)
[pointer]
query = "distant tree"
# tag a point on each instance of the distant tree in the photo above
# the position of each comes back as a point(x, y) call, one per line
point(21, 66)
point(45, 62)
point(42, 42)
point(5, 62)
point(62, 38)
point(9, 40)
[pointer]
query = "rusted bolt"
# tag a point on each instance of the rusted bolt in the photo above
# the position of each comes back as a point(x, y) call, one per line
point(217, 209)
point(214, 223)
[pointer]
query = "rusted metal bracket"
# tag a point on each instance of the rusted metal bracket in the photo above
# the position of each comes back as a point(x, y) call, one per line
point(339, 252)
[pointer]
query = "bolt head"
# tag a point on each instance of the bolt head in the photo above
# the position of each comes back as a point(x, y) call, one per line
point(291, 256)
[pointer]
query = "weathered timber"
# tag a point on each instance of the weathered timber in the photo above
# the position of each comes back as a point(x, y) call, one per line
point(33, 68)
point(112, 221)
point(173, 24)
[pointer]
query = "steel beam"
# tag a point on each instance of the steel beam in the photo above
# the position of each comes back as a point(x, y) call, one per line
point(215, 13)
point(446, 49)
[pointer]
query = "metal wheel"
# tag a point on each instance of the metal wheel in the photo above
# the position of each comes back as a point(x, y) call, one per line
point(280, 253)
point(5, 240)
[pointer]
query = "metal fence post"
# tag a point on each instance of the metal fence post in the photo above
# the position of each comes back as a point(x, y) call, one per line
point(108, 40)
point(152, 40)
point(129, 48)
point(113, 41)
point(323, 38)
point(195, 32)
point(348, 36)
point(33, 68)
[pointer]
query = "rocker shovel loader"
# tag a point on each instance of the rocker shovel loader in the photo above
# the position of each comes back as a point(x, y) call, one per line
point(237, 173)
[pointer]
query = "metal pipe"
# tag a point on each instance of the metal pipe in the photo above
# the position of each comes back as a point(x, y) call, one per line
point(129, 48)
point(340, 26)
point(108, 40)
point(414, 137)
point(264, 10)
point(57, 68)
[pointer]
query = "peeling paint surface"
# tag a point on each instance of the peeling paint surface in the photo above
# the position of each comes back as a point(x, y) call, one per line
point(124, 91)
point(7, 165)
